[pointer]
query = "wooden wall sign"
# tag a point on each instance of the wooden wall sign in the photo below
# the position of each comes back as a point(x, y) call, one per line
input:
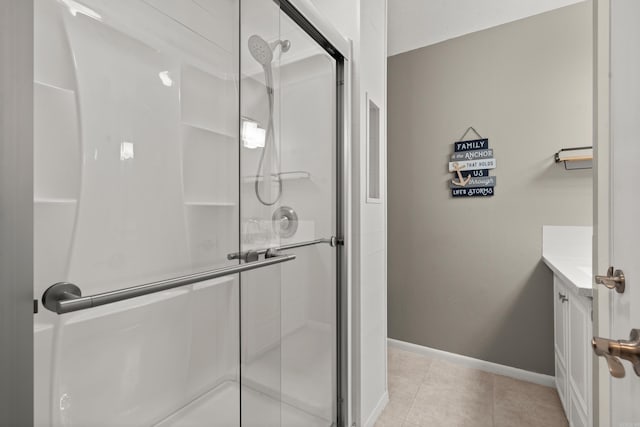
point(470, 164)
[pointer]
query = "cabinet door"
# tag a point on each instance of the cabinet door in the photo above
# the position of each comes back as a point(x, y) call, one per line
point(560, 322)
point(579, 372)
point(560, 337)
point(561, 382)
point(576, 413)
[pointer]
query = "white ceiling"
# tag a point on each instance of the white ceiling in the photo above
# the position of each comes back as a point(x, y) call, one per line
point(418, 23)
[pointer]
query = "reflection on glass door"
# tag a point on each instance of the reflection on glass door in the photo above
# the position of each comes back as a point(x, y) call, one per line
point(136, 171)
point(158, 157)
point(288, 193)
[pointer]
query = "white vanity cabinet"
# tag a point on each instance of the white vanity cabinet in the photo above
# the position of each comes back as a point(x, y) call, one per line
point(572, 337)
point(566, 250)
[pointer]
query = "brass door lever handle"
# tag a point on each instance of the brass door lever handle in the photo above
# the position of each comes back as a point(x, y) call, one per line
point(613, 351)
point(613, 280)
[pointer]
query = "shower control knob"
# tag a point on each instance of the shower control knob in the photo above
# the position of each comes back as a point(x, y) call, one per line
point(285, 221)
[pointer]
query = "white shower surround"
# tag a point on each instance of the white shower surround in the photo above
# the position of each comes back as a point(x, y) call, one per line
point(103, 365)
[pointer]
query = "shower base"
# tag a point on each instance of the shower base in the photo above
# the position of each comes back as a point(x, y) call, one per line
point(219, 408)
point(300, 370)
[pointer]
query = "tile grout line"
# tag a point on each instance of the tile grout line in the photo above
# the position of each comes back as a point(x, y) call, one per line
point(415, 396)
point(413, 402)
point(493, 400)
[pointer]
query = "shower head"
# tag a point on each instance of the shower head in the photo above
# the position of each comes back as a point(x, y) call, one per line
point(263, 51)
point(260, 50)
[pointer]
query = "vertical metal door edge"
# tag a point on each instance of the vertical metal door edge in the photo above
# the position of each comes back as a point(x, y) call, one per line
point(341, 315)
point(347, 248)
point(239, 182)
point(16, 213)
point(341, 259)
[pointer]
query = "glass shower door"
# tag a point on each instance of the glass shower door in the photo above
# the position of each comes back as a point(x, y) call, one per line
point(136, 182)
point(170, 142)
point(288, 198)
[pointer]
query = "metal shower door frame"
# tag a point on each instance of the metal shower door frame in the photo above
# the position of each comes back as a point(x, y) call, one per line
point(340, 50)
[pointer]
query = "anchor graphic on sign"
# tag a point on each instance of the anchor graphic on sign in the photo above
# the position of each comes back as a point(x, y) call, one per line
point(461, 181)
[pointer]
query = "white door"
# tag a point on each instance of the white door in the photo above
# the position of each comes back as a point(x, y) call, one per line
point(623, 149)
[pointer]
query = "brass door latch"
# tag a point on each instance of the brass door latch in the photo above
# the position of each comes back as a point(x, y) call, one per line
point(613, 351)
point(613, 280)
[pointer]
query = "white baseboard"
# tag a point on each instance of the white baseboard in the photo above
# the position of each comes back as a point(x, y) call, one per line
point(483, 365)
point(377, 411)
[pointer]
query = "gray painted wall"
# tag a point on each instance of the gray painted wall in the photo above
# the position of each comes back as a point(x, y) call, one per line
point(465, 275)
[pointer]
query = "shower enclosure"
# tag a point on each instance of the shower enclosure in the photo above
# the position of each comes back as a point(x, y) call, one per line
point(189, 222)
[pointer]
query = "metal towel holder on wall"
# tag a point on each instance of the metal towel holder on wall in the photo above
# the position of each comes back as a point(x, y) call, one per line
point(564, 156)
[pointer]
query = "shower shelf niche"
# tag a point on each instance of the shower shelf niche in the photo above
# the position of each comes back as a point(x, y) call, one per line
point(205, 100)
point(54, 200)
point(228, 136)
point(208, 157)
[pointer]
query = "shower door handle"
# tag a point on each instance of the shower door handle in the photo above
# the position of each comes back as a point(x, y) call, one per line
point(66, 297)
point(332, 241)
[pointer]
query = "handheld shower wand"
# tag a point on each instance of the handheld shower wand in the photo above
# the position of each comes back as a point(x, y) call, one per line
point(262, 52)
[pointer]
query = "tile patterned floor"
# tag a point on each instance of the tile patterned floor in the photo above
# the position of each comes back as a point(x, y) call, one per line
point(425, 392)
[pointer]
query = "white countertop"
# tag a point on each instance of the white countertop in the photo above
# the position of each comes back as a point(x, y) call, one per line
point(566, 250)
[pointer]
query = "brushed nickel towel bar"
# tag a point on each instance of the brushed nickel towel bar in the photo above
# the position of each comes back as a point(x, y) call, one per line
point(66, 297)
